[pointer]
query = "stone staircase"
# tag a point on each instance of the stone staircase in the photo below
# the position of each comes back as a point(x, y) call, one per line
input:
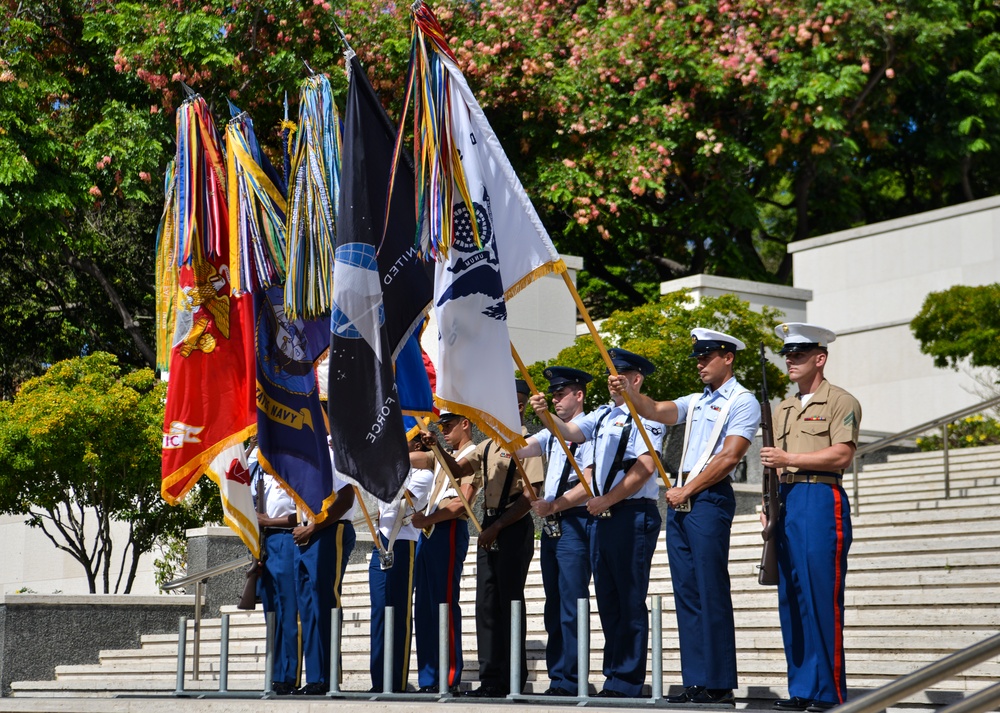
point(924, 581)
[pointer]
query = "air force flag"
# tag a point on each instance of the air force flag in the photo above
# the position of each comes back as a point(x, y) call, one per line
point(366, 423)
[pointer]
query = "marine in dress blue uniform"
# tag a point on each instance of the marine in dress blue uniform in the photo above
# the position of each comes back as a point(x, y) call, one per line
point(440, 558)
point(394, 586)
point(815, 434)
point(565, 546)
point(620, 469)
point(277, 585)
point(321, 555)
point(720, 423)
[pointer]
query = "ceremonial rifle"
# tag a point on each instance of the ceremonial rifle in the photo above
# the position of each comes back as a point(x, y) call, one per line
point(248, 599)
point(768, 567)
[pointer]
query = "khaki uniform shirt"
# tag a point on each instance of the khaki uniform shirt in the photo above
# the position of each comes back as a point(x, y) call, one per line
point(496, 462)
point(831, 416)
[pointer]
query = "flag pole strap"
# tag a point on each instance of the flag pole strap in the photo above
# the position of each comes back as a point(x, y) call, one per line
point(614, 372)
point(368, 518)
point(550, 422)
point(427, 530)
point(436, 449)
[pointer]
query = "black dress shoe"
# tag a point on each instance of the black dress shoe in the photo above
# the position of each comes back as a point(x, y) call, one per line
point(606, 693)
point(686, 696)
point(486, 692)
point(280, 688)
point(715, 696)
point(558, 691)
point(313, 689)
point(792, 704)
point(820, 707)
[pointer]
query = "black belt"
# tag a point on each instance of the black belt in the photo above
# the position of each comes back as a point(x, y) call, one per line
point(276, 530)
point(578, 511)
point(498, 511)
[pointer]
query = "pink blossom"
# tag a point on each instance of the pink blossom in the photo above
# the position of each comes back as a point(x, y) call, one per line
point(144, 176)
point(890, 73)
point(95, 191)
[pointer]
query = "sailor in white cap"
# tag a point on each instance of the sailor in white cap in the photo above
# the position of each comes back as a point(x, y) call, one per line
point(721, 422)
point(815, 436)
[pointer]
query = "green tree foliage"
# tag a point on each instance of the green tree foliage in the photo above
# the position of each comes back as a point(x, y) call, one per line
point(661, 332)
point(79, 450)
point(657, 139)
point(962, 322)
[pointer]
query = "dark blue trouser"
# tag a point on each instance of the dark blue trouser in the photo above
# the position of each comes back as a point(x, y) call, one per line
point(500, 578)
point(814, 536)
point(437, 578)
point(566, 572)
point(392, 587)
point(277, 594)
point(623, 554)
point(319, 569)
point(698, 551)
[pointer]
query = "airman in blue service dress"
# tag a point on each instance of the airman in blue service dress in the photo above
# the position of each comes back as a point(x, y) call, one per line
point(394, 586)
point(720, 423)
point(621, 472)
point(815, 436)
point(565, 547)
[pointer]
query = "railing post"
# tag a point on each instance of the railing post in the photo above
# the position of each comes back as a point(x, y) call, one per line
point(182, 628)
point(657, 647)
point(387, 650)
point(444, 623)
point(947, 473)
point(196, 653)
point(335, 646)
point(224, 655)
point(854, 486)
point(269, 626)
point(582, 647)
point(515, 647)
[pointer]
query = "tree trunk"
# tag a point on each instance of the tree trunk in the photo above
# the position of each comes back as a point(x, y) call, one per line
point(129, 322)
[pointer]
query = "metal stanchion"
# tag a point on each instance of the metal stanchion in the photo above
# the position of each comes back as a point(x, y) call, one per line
point(269, 623)
point(387, 656)
point(336, 616)
point(224, 655)
point(947, 468)
point(657, 647)
point(582, 647)
point(181, 653)
point(196, 653)
point(515, 647)
point(444, 622)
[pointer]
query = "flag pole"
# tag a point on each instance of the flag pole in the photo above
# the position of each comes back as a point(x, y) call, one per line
point(427, 530)
point(550, 422)
point(614, 372)
point(383, 554)
point(436, 449)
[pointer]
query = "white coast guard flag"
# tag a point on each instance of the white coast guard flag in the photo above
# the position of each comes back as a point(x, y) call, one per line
point(475, 369)
point(230, 472)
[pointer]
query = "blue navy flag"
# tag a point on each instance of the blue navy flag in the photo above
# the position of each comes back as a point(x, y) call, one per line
point(291, 430)
point(366, 422)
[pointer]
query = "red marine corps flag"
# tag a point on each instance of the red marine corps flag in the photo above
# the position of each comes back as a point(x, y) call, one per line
point(210, 396)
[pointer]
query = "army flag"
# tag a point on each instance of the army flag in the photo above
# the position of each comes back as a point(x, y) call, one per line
point(366, 423)
point(498, 244)
point(210, 402)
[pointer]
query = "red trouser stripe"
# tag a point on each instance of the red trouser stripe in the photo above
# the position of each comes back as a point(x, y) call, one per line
point(452, 532)
point(838, 612)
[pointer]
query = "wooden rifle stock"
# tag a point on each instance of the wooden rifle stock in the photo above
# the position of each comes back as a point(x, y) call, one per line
point(767, 573)
point(248, 599)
